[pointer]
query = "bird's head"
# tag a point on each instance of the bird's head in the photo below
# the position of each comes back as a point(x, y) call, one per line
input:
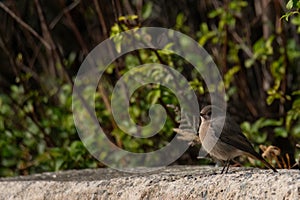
point(206, 112)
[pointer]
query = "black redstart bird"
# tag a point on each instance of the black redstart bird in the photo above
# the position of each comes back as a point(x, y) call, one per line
point(231, 141)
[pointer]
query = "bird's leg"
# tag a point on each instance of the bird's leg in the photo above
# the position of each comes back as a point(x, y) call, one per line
point(223, 168)
point(226, 162)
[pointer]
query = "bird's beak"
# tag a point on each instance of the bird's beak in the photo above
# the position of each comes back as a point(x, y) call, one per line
point(202, 115)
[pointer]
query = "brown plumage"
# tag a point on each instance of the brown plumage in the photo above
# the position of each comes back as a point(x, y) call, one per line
point(231, 143)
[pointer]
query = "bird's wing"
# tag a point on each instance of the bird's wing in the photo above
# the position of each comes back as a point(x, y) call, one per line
point(232, 135)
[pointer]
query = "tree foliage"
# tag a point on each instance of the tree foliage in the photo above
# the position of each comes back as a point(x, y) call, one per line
point(255, 44)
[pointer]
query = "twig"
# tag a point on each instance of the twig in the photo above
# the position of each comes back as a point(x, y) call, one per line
point(57, 57)
point(24, 25)
point(72, 25)
point(101, 18)
point(60, 15)
point(187, 135)
point(128, 7)
point(288, 160)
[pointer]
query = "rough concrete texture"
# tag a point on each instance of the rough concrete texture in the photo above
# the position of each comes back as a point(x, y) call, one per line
point(175, 182)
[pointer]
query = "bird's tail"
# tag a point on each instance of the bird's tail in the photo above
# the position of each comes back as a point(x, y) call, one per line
point(259, 157)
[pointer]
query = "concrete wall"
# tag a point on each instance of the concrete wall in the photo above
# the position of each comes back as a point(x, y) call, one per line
point(173, 182)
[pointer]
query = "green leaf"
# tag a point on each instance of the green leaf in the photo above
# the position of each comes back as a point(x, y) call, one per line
point(154, 95)
point(131, 61)
point(147, 10)
point(296, 103)
point(297, 92)
point(261, 137)
point(230, 75)
point(58, 164)
point(289, 4)
point(280, 132)
point(296, 130)
point(271, 122)
point(216, 13)
point(246, 127)
point(180, 19)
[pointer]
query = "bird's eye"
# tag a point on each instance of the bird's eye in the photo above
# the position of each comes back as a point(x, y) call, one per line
point(209, 113)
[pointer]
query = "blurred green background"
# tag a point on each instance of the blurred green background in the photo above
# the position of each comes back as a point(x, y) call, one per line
point(255, 44)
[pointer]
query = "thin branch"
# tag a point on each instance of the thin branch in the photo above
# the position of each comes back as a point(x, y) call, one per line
point(52, 25)
point(47, 36)
point(128, 7)
point(24, 25)
point(54, 50)
point(61, 14)
point(101, 18)
point(116, 10)
point(72, 25)
point(187, 135)
point(139, 7)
